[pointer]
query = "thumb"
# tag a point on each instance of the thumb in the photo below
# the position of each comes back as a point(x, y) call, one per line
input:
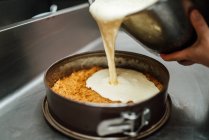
point(199, 23)
point(176, 56)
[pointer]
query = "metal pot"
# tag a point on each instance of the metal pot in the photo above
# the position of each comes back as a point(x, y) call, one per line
point(96, 121)
point(165, 26)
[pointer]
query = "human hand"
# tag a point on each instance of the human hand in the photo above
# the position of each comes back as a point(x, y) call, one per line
point(199, 51)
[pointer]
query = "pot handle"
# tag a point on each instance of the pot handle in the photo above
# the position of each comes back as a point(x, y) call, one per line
point(128, 124)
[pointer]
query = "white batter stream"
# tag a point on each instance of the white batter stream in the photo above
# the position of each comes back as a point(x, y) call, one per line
point(124, 85)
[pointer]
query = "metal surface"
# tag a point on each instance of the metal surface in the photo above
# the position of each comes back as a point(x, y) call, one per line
point(29, 48)
point(20, 113)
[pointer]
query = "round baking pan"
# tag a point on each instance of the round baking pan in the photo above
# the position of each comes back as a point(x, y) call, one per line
point(66, 131)
point(107, 120)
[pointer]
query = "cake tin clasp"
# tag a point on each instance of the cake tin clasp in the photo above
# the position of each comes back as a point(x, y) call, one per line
point(130, 124)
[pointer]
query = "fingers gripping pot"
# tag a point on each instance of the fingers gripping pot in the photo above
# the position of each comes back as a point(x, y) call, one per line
point(165, 26)
point(106, 120)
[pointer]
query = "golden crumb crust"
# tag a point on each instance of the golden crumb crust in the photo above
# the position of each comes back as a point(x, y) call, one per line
point(74, 87)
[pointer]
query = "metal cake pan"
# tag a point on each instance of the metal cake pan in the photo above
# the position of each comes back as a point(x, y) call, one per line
point(106, 120)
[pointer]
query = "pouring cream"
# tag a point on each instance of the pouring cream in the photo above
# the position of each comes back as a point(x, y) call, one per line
point(129, 85)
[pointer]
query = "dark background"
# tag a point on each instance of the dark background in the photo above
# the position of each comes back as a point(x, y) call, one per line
point(12, 11)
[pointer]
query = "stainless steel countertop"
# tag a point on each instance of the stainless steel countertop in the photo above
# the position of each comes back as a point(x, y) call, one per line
point(21, 115)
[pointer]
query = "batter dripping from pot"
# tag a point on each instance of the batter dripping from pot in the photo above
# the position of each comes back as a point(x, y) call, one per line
point(121, 84)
